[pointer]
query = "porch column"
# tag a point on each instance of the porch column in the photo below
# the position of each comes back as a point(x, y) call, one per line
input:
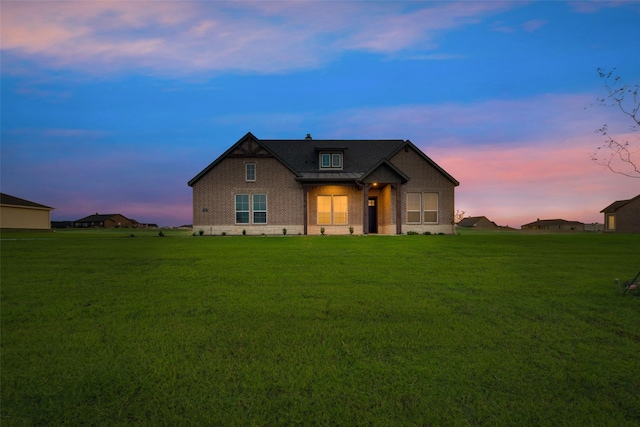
point(305, 203)
point(365, 209)
point(396, 187)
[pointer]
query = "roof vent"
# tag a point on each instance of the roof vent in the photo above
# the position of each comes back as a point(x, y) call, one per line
point(308, 137)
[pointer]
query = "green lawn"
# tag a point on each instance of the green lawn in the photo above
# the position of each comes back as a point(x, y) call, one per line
point(100, 328)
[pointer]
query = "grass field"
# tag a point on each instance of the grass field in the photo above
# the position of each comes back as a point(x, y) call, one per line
point(100, 328)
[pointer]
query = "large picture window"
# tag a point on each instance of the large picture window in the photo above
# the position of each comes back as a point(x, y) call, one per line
point(256, 209)
point(332, 210)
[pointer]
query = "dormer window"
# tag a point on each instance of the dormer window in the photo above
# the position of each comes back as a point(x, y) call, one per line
point(331, 160)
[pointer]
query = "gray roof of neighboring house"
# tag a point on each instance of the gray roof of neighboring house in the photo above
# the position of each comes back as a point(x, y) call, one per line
point(553, 222)
point(617, 205)
point(472, 221)
point(301, 157)
point(6, 199)
point(99, 217)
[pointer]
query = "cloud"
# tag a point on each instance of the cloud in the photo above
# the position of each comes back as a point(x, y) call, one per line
point(533, 25)
point(181, 38)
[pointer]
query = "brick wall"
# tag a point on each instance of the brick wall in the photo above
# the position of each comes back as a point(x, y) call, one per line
point(424, 178)
point(214, 197)
point(628, 217)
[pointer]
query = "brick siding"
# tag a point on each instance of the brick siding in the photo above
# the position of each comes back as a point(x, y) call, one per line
point(424, 178)
point(214, 197)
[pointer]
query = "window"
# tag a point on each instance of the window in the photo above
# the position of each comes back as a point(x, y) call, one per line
point(250, 169)
point(422, 207)
point(430, 207)
point(611, 222)
point(413, 207)
point(325, 160)
point(324, 209)
point(336, 160)
point(332, 210)
point(242, 209)
point(331, 160)
point(340, 209)
point(259, 208)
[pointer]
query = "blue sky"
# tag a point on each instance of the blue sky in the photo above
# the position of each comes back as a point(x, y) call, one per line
point(112, 106)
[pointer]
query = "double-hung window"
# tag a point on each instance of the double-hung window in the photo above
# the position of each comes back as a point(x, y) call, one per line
point(414, 201)
point(251, 207)
point(242, 209)
point(332, 210)
point(422, 208)
point(259, 208)
point(430, 207)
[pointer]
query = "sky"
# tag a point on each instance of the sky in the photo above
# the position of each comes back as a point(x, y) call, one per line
point(113, 106)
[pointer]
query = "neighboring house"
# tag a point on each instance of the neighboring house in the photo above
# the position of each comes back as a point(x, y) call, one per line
point(554, 225)
point(478, 222)
point(104, 221)
point(623, 216)
point(312, 186)
point(61, 224)
point(19, 213)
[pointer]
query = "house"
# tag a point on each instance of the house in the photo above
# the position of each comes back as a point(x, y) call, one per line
point(310, 187)
point(554, 225)
point(478, 222)
point(17, 213)
point(104, 221)
point(623, 216)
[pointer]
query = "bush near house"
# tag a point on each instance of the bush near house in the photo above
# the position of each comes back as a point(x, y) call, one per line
point(501, 329)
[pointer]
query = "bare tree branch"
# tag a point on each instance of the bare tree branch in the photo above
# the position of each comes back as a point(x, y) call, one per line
point(619, 157)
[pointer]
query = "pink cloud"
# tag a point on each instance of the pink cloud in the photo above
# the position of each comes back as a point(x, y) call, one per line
point(191, 37)
point(517, 185)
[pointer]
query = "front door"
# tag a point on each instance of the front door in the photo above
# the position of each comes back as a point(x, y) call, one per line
point(373, 215)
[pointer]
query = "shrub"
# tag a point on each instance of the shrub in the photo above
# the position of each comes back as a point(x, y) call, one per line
point(224, 233)
point(427, 233)
point(351, 229)
point(322, 230)
point(412, 233)
point(161, 234)
point(244, 232)
point(284, 231)
point(201, 232)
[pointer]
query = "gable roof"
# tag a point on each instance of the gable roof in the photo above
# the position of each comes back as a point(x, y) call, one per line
point(99, 217)
point(553, 222)
point(6, 199)
point(617, 205)
point(472, 221)
point(301, 157)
